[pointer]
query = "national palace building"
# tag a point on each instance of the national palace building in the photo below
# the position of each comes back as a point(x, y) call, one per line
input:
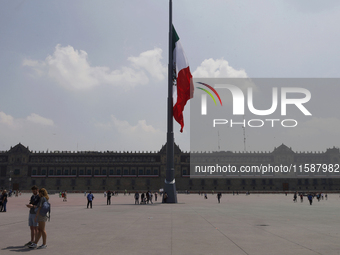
point(140, 171)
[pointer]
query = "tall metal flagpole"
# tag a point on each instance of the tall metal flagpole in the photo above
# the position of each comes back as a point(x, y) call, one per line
point(170, 185)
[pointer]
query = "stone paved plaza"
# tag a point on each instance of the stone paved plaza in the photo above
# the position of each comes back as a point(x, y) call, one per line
point(240, 224)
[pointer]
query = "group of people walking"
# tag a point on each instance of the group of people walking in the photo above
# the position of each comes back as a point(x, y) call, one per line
point(145, 198)
point(310, 197)
point(219, 195)
point(63, 194)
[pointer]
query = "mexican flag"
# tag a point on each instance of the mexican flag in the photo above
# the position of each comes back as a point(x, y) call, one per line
point(184, 89)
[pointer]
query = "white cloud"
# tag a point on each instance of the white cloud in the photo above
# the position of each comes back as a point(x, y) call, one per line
point(219, 68)
point(6, 119)
point(37, 66)
point(125, 128)
point(141, 136)
point(32, 130)
point(150, 61)
point(72, 70)
point(32, 63)
point(35, 118)
point(9, 120)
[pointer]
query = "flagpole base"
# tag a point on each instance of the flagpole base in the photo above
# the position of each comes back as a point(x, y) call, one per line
point(170, 189)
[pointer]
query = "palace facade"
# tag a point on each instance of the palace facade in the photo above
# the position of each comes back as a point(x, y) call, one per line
point(82, 171)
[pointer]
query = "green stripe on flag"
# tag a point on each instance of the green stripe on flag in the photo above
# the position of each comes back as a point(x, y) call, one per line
point(175, 38)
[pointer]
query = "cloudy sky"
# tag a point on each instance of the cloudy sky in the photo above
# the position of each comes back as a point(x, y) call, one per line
point(92, 75)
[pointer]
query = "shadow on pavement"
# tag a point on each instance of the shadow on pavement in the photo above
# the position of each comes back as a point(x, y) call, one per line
point(17, 248)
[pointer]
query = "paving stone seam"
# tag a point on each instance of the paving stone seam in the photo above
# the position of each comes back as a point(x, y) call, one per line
point(258, 227)
point(224, 235)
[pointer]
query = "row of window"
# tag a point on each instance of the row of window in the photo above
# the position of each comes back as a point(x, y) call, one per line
point(96, 172)
point(262, 182)
point(309, 159)
point(229, 182)
point(89, 159)
point(200, 158)
point(88, 182)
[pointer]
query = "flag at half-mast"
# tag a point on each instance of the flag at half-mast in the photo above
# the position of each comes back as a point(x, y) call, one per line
point(184, 89)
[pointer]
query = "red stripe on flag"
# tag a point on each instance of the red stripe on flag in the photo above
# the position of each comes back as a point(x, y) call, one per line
point(185, 91)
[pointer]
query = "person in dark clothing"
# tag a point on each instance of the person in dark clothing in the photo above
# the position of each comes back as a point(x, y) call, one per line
point(108, 200)
point(1, 206)
point(142, 198)
point(147, 196)
point(310, 199)
point(33, 204)
point(165, 197)
point(4, 201)
point(137, 198)
point(219, 195)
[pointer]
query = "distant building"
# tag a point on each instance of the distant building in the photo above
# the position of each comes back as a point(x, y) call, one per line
point(21, 168)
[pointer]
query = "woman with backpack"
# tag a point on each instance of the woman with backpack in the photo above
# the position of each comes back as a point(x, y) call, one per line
point(41, 221)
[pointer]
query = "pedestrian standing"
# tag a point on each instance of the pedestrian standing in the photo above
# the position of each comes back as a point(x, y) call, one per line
point(219, 195)
point(41, 221)
point(90, 198)
point(4, 201)
point(1, 206)
point(147, 196)
point(310, 198)
point(136, 198)
point(165, 197)
point(156, 196)
point(33, 204)
point(65, 196)
point(142, 199)
point(150, 197)
point(318, 197)
point(108, 200)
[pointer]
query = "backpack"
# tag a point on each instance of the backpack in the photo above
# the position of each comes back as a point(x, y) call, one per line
point(46, 208)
